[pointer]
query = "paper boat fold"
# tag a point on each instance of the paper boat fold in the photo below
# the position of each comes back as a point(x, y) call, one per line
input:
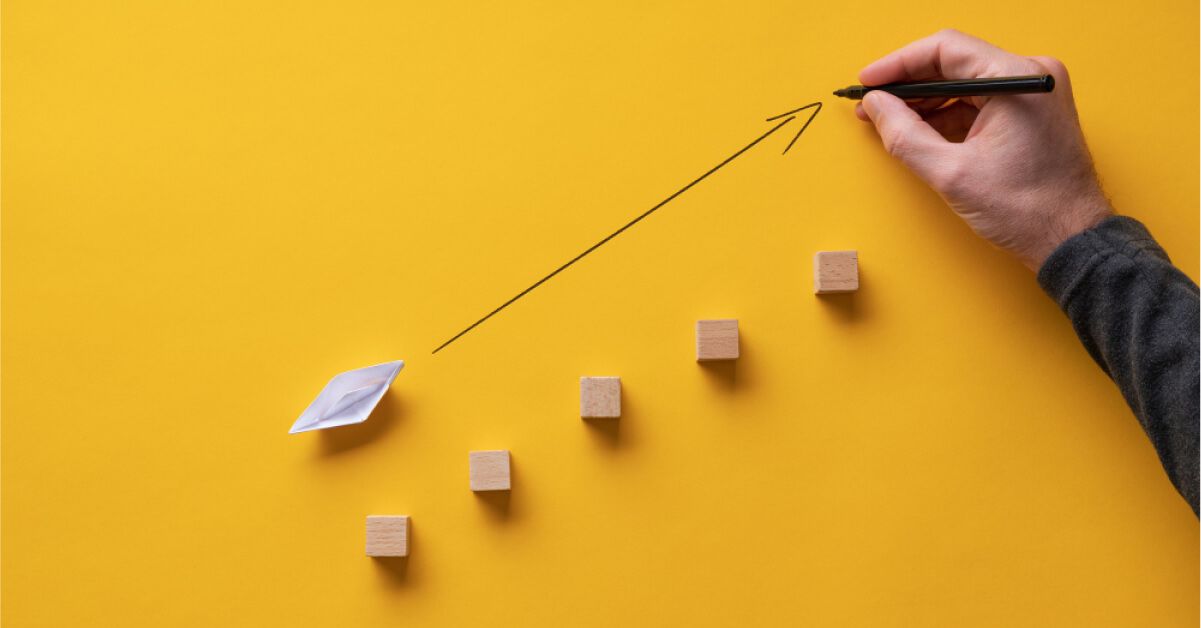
point(348, 398)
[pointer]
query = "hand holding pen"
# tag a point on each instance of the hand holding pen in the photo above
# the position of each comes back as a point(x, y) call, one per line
point(1014, 166)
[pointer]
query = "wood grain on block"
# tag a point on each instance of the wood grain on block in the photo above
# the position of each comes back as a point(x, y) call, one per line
point(600, 397)
point(835, 271)
point(490, 470)
point(387, 535)
point(717, 340)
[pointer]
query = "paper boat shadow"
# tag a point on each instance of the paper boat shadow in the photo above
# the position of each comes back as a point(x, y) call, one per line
point(386, 415)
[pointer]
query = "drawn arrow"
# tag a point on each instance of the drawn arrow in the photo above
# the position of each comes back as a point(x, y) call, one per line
point(788, 116)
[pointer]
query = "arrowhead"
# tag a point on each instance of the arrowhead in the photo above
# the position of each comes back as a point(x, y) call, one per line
point(816, 106)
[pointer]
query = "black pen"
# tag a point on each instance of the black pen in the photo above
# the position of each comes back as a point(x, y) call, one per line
point(959, 88)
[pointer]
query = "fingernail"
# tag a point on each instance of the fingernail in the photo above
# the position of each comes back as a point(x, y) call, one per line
point(869, 103)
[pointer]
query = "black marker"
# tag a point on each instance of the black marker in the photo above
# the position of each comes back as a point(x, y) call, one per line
point(1033, 84)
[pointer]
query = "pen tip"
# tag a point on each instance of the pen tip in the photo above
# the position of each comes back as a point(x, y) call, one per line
point(839, 92)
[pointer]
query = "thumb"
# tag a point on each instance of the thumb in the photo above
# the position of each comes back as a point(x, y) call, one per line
point(904, 134)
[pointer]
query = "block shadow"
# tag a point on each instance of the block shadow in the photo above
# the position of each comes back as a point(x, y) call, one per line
point(728, 376)
point(389, 412)
point(498, 505)
point(610, 433)
point(722, 374)
point(393, 571)
point(845, 307)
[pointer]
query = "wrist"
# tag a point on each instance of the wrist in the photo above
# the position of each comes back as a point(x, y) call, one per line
point(1063, 226)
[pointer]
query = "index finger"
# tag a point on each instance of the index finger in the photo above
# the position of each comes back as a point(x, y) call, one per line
point(947, 54)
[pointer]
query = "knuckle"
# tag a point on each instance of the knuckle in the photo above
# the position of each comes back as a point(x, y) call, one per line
point(949, 177)
point(894, 142)
point(1053, 66)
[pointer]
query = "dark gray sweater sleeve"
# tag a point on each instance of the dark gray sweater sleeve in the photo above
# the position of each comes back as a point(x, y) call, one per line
point(1138, 317)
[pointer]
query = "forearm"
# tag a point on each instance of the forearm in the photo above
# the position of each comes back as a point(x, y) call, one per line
point(1137, 315)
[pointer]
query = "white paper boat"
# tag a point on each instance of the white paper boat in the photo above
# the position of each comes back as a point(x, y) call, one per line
point(348, 398)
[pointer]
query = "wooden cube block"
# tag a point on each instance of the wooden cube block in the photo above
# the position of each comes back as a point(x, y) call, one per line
point(387, 535)
point(600, 397)
point(490, 470)
point(835, 271)
point(717, 340)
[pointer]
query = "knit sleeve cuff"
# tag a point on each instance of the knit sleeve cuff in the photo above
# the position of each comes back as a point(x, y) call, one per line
point(1085, 253)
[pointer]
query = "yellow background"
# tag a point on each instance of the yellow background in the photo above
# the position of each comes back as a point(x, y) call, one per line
point(209, 209)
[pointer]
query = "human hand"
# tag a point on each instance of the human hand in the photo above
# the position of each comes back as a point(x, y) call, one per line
point(1016, 168)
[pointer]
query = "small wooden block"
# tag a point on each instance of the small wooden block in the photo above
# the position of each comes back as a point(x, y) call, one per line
point(717, 340)
point(490, 470)
point(387, 535)
point(835, 271)
point(600, 397)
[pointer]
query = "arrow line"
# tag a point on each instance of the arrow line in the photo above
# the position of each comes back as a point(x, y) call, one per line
point(803, 127)
point(790, 118)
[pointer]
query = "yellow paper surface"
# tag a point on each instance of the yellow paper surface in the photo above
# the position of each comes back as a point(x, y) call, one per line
point(209, 209)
